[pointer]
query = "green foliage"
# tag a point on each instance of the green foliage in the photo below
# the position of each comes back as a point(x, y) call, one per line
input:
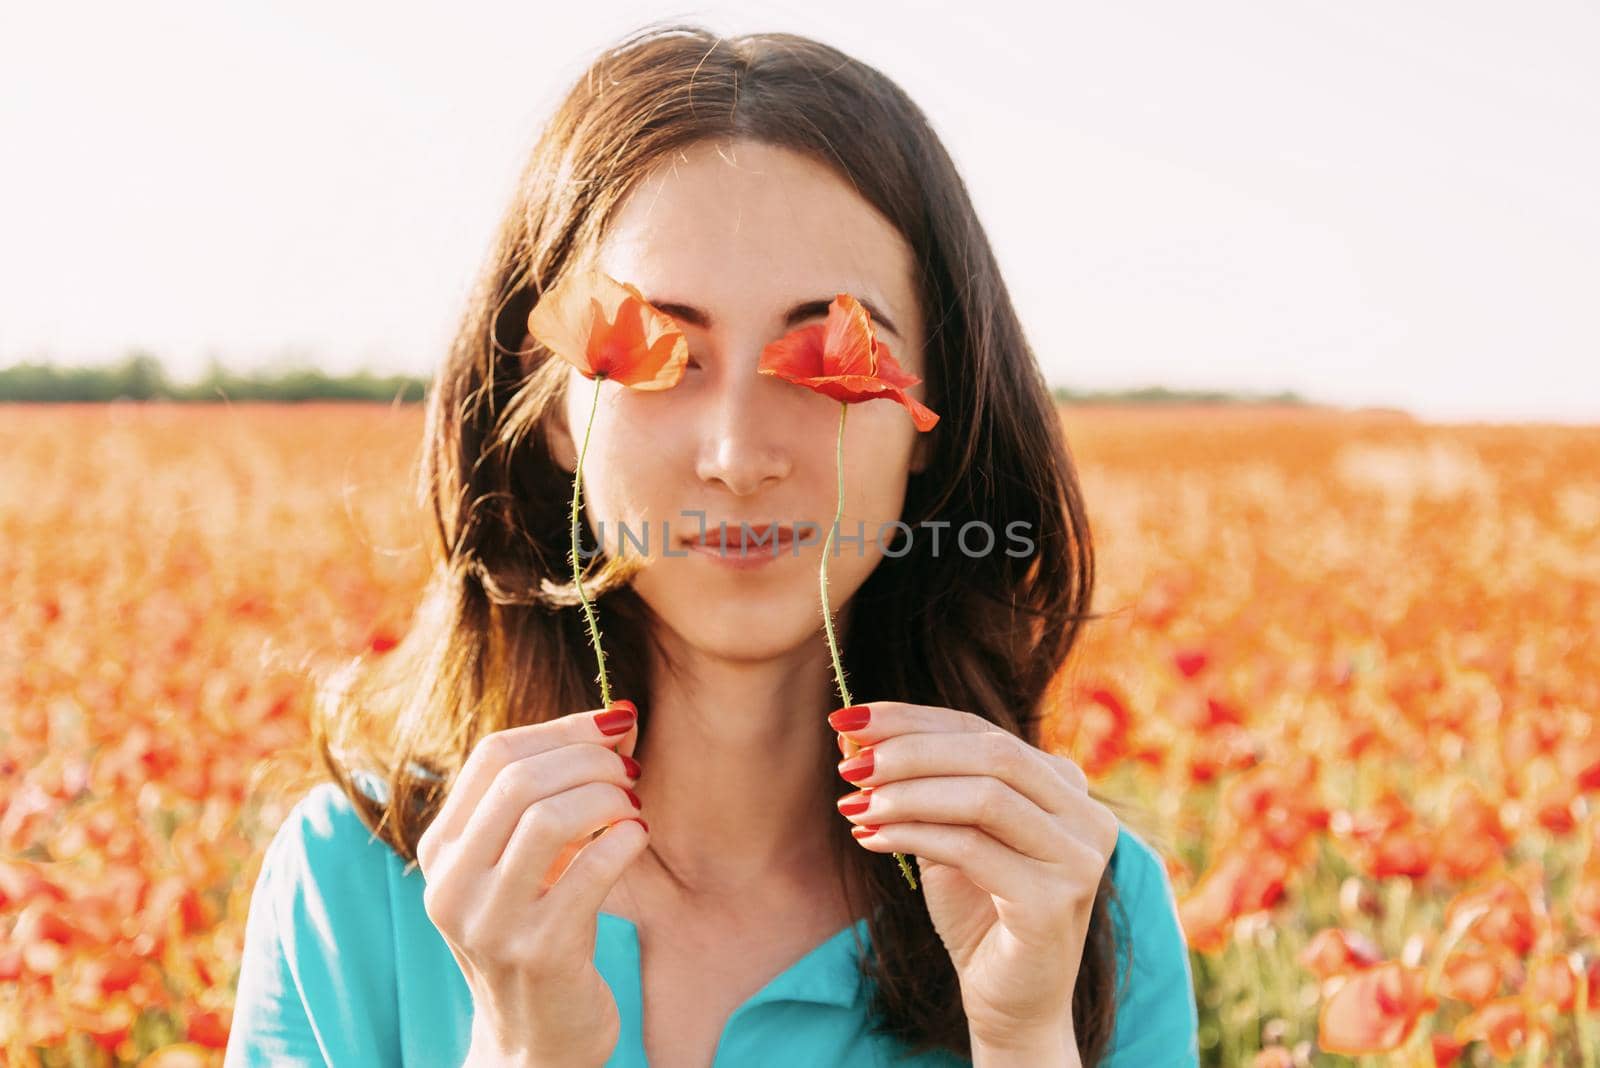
point(140, 376)
point(1163, 395)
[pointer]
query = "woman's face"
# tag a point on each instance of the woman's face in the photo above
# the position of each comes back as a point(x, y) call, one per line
point(740, 243)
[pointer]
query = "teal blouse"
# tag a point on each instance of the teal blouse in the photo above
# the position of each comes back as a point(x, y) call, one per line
point(342, 967)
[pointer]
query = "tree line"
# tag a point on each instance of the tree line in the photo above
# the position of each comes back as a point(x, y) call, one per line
point(141, 377)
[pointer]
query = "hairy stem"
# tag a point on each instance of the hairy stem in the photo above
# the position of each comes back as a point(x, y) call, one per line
point(577, 573)
point(827, 612)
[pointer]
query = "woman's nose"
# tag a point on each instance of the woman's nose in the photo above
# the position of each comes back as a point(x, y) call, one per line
point(742, 445)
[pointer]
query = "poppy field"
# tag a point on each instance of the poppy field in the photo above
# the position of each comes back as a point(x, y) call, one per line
point(1348, 671)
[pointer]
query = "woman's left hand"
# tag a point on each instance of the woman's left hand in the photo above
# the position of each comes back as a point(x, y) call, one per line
point(1010, 846)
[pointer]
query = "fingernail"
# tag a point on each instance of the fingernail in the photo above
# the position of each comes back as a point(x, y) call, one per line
point(862, 830)
point(857, 767)
point(633, 797)
point(855, 804)
point(852, 718)
point(616, 720)
point(641, 821)
point(630, 765)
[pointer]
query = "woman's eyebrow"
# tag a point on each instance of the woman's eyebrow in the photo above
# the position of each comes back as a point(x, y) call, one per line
point(797, 314)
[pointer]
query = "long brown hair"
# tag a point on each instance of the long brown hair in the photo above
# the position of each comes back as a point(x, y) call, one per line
point(497, 641)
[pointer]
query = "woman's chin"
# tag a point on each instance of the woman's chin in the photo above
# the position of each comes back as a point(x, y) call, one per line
point(743, 626)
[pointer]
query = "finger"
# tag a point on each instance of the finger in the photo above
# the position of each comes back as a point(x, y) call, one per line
point(562, 822)
point(861, 725)
point(873, 721)
point(978, 801)
point(493, 752)
point(1070, 770)
point(998, 754)
point(582, 888)
point(533, 784)
point(999, 871)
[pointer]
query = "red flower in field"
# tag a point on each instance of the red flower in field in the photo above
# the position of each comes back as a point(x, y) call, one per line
point(1477, 840)
point(1335, 951)
point(1580, 759)
point(1228, 748)
point(1586, 899)
point(114, 971)
point(109, 1025)
point(1190, 662)
point(1386, 839)
point(1508, 920)
point(1556, 808)
point(1472, 975)
point(1503, 1024)
point(1099, 734)
point(1373, 1010)
point(1553, 981)
point(1446, 1050)
point(1239, 883)
point(1278, 803)
point(843, 359)
point(21, 881)
point(207, 1028)
point(606, 329)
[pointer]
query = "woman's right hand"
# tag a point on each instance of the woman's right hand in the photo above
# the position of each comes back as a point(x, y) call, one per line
point(515, 879)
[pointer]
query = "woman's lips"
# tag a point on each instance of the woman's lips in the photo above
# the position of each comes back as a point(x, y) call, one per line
point(754, 545)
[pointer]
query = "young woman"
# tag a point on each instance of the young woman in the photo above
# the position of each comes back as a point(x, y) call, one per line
point(504, 873)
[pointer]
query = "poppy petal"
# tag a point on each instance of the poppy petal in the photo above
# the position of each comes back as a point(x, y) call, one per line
point(890, 371)
point(561, 320)
point(850, 348)
point(606, 328)
point(922, 416)
point(796, 355)
point(657, 351)
point(843, 360)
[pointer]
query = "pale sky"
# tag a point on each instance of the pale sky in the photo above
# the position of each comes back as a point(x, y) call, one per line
point(1387, 204)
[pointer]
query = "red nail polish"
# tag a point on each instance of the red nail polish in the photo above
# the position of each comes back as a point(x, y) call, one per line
point(616, 720)
point(857, 767)
point(630, 765)
point(852, 718)
point(633, 797)
point(855, 804)
point(640, 821)
point(862, 830)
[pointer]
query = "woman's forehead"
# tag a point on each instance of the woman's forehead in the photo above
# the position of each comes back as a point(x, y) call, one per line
point(761, 227)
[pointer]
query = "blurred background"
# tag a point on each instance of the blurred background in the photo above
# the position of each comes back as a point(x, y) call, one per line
point(1315, 286)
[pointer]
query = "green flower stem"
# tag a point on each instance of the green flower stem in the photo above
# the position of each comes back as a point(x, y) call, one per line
point(827, 612)
point(577, 575)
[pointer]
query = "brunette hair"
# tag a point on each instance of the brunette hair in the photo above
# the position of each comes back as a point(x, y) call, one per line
point(497, 640)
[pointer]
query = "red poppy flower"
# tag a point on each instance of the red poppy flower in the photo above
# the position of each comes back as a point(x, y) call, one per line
point(843, 359)
point(1374, 1010)
point(606, 329)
